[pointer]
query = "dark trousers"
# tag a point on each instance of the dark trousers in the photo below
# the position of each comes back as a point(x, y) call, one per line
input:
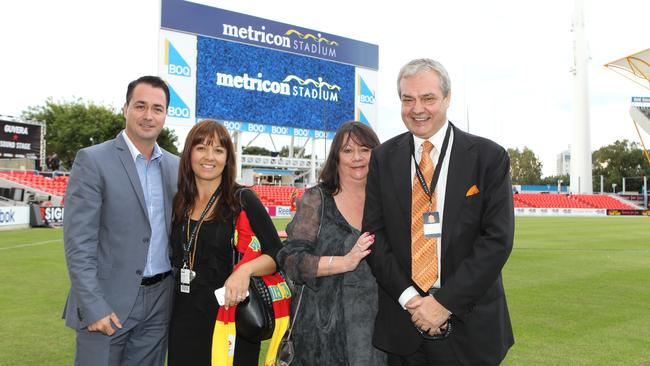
point(438, 353)
point(143, 339)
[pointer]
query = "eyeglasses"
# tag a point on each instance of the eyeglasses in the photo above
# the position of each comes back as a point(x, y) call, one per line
point(438, 337)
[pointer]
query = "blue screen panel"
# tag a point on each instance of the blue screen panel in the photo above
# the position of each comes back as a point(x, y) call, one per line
point(237, 82)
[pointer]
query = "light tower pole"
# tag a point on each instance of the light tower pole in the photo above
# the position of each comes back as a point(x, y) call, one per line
point(581, 181)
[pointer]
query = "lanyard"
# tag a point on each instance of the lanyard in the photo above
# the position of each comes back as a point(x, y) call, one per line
point(436, 174)
point(187, 247)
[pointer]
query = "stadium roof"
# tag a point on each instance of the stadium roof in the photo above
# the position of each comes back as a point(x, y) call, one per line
point(274, 171)
point(635, 67)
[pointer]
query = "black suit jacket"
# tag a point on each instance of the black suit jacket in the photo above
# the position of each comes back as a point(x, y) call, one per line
point(477, 236)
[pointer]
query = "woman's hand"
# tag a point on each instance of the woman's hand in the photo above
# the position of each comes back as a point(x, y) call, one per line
point(237, 285)
point(359, 251)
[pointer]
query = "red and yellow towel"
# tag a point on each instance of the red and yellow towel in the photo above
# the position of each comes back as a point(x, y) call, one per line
point(223, 338)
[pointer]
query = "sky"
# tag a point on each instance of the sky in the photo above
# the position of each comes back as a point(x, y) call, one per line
point(509, 60)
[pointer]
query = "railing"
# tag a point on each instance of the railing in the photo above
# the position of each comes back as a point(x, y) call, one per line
point(279, 162)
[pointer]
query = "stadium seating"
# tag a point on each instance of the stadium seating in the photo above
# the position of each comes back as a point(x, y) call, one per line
point(569, 201)
point(603, 201)
point(276, 195)
point(550, 200)
point(54, 186)
point(271, 195)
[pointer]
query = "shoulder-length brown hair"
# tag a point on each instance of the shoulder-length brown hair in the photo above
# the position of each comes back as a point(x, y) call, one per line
point(205, 132)
point(360, 133)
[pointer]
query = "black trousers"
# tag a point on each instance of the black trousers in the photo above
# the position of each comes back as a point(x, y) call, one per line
point(438, 353)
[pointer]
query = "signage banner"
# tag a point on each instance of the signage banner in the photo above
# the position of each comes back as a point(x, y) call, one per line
point(529, 211)
point(282, 211)
point(628, 212)
point(364, 97)
point(644, 101)
point(14, 215)
point(277, 130)
point(238, 82)
point(20, 140)
point(52, 214)
point(177, 66)
point(199, 19)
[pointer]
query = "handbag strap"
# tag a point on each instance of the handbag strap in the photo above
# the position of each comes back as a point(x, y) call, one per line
point(302, 288)
point(235, 254)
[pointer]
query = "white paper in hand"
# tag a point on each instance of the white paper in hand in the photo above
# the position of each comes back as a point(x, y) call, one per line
point(220, 294)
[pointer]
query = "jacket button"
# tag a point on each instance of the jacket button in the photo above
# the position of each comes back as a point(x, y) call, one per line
point(145, 240)
point(138, 272)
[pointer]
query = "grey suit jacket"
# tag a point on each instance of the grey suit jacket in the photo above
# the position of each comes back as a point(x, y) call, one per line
point(107, 231)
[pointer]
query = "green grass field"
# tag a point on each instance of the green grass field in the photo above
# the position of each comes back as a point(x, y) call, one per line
point(577, 289)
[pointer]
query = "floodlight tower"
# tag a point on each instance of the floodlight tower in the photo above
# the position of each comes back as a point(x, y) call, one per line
point(581, 146)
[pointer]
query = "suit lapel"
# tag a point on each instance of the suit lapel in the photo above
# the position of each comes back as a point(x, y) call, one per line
point(459, 175)
point(129, 166)
point(400, 168)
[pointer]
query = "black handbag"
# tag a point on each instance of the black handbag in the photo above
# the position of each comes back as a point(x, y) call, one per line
point(255, 316)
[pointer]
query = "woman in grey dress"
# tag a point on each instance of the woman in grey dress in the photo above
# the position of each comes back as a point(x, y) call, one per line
point(325, 251)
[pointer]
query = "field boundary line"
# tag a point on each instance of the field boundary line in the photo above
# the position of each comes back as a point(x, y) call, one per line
point(31, 244)
point(585, 249)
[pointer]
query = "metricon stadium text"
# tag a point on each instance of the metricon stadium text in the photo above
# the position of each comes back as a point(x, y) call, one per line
point(267, 86)
point(315, 48)
point(249, 83)
point(256, 35)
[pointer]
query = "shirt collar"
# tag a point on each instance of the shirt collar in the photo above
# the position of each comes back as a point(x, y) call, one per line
point(135, 152)
point(437, 139)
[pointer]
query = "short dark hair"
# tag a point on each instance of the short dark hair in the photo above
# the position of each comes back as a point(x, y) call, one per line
point(362, 134)
point(154, 81)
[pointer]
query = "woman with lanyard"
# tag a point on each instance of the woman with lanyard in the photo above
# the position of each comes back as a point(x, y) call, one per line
point(201, 236)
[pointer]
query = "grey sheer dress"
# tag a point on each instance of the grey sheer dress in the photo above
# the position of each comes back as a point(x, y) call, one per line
point(336, 318)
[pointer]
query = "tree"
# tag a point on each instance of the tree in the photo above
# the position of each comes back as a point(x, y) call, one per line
point(553, 179)
point(78, 124)
point(525, 167)
point(298, 152)
point(256, 150)
point(618, 160)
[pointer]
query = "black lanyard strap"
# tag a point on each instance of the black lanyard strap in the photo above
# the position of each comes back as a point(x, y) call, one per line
point(436, 174)
point(187, 246)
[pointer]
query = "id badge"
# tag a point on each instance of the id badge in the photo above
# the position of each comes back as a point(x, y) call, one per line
point(185, 288)
point(187, 275)
point(432, 226)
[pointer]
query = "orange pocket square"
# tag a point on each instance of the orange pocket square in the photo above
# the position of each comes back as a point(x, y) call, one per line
point(472, 191)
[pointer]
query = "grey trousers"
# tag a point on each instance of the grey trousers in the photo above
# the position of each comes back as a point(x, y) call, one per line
point(143, 337)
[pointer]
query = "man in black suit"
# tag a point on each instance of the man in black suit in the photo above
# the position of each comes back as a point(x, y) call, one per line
point(445, 303)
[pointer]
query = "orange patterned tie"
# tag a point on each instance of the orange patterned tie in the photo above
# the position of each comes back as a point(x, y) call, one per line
point(424, 257)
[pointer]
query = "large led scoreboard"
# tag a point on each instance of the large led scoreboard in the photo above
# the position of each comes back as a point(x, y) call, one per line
point(258, 75)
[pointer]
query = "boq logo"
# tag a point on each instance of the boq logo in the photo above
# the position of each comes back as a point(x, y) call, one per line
point(178, 70)
point(176, 64)
point(178, 112)
point(177, 107)
point(368, 99)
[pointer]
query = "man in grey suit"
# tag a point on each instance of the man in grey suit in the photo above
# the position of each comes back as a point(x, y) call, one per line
point(116, 237)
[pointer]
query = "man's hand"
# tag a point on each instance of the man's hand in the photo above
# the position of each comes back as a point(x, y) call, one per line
point(428, 314)
point(105, 325)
